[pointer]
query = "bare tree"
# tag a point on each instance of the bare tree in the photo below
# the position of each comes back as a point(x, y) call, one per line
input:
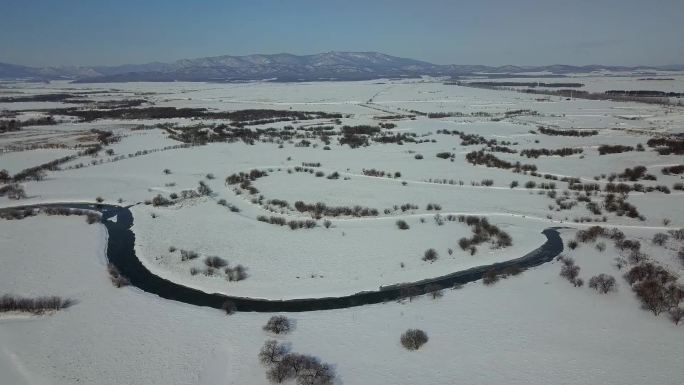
point(434, 290)
point(271, 353)
point(278, 324)
point(603, 283)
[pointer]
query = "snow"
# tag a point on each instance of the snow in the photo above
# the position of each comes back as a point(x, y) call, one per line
point(532, 329)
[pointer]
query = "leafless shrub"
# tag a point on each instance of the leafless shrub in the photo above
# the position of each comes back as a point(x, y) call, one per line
point(215, 262)
point(430, 255)
point(402, 225)
point(229, 307)
point(490, 277)
point(237, 273)
point(570, 271)
point(601, 246)
point(660, 239)
point(115, 276)
point(187, 255)
point(413, 339)
point(93, 218)
point(676, 314)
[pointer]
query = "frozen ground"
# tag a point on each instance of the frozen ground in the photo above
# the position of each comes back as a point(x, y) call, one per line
point(532, 329)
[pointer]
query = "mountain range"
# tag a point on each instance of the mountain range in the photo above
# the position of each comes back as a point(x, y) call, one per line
point(287, 67)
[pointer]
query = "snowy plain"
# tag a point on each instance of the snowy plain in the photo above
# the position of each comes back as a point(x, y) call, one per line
point(531, 329)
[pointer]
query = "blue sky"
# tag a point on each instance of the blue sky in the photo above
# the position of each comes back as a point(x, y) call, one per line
point(494, 32)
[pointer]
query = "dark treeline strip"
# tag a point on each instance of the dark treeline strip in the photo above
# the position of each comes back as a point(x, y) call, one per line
point(526, 84)
point(16, 125)
point(37, 98)
point(640, 96)
point(645, 93)
point(554, 132)
point(202, 113)
point(536, 153)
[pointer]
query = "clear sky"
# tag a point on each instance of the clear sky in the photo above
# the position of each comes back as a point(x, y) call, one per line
point(493, 32)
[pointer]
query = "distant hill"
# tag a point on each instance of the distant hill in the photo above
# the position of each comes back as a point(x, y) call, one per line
point(285, 67)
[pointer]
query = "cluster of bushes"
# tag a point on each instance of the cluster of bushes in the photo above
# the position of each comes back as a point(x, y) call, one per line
point(398, 138)
point(667, 146)
point(623, 188)
point(553, 132)
point(187, 255)
point(676, 170)
point(620, 206)
point(402, 225)
point(489, 160)
point(503, 149)
point(613, 149)
point(492, 276)
point(657, 288)
point(118, 280)
point(380, 173)
point(39, 172)
point(536, 153)
point(237, 273)
point(570, 271)
point(33, 305)
point(472, 139)
point(282, 221)
point(445, 155)
point(636, 173)
point(357, 136)
point(483, 231)
point(588, 187)
point(243, 177)
point(433, 206)
point(320, 209)
point(215, 262)
point(284, 365)
point(13, 191)
point(11, 214)
point(446, 181)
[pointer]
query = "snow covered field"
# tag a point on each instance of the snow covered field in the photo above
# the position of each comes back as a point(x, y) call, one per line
point(535, 328)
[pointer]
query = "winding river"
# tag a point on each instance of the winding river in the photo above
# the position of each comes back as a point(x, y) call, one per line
point(121, 253)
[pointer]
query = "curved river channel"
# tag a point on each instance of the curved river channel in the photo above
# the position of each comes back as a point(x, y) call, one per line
point(121, 253)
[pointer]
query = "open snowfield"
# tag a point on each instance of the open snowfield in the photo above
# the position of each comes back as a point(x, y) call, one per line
point(535, 328)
